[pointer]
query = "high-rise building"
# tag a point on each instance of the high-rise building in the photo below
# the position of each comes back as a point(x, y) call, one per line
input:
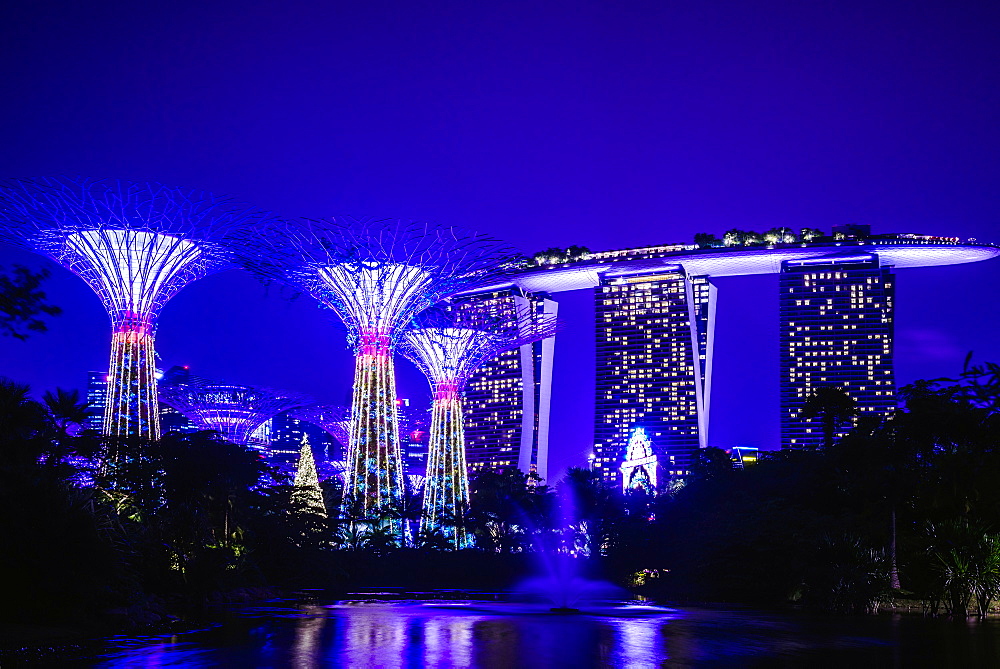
point(836, 321)
point(508, 399)
point(654, 344)
point(97, 397)
point(655, 316)
point(414, 426)
point(172, 420)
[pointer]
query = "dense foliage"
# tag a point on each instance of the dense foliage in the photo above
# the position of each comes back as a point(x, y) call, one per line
point(905, 507)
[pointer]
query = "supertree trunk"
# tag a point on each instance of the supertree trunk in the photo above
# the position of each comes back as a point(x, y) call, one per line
point(132, 408)
point(374, 477)
point(446, 491)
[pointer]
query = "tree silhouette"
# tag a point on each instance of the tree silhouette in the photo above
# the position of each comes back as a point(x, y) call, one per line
point(833, 407)
point(712, 462)
point(705, 240)
point(22, 303)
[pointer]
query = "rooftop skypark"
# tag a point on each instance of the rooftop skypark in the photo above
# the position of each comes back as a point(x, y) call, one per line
point(738, 240)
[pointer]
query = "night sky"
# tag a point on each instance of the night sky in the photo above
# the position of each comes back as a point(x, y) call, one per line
point(609, 125)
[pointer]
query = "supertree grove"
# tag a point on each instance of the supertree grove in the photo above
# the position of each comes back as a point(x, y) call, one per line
point(448, 346)
point(376, 275)
point(136, 245)
point(235, 412)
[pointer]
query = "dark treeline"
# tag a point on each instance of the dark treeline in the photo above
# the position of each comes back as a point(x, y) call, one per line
point(905, 508)
point(901, 508)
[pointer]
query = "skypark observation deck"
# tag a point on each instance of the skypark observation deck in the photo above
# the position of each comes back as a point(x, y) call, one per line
point(895, 251)
point(655, 327)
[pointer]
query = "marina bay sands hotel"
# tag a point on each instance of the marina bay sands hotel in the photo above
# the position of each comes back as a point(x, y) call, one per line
point(655, 321)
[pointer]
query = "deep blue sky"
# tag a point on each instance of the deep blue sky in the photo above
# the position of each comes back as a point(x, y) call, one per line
point(604, 124)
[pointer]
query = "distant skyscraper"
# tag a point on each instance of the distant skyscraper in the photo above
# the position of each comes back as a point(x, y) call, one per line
point(172, 420)
point(414, 426)
point(836, 320)
point(505, 426)
point(97, 395)
point(654, 364)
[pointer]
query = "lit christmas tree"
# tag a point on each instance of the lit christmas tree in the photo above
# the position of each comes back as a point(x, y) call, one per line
point(306, 493)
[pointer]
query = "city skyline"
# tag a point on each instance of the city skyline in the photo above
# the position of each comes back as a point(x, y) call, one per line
point(546, 127)
point(730, 260)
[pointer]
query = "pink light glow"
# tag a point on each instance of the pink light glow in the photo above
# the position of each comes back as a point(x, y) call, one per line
point(447, 390)
point(374, 343)
point(134, 323)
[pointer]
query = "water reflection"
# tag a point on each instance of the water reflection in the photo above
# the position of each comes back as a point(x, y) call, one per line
point(447, 641)
point(638, 643)
point(372, 636)
point(394, 634)
point(307, 650)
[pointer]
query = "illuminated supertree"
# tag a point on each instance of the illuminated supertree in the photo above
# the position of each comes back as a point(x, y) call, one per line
point(235, 412)
point(448, 347)
point(136, 245)
point(376, 275)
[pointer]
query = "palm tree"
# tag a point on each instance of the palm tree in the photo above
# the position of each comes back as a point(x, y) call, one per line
point(66, 409)
point(833, 407)
point(353, 537)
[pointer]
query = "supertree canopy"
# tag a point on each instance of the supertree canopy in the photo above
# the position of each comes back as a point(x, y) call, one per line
point(136, 245)
point(448, 347)
point(235, 412)
point(336, 420)
point(376, 275)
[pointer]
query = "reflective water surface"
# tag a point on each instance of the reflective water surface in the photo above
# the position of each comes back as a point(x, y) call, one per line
point(483, 634)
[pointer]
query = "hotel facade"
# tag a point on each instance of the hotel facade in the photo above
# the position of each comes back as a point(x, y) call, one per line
point(654, 327)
